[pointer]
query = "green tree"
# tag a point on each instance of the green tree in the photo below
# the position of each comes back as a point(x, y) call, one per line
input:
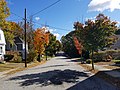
point(53, 46)
point(68, 45)
point(99, 34)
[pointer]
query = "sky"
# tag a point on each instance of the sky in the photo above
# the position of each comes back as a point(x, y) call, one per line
point(61, 16)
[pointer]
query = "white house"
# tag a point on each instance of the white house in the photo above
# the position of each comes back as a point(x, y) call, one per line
point(2, 45)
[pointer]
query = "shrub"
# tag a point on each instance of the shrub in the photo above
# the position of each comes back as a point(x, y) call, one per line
point(31, 56)
point(117, 58)
point(113, 53)
point(99, 56)
point(89, 61)
point(8, 57)
point(13, 56)
point(107, 55)
point(117, 61)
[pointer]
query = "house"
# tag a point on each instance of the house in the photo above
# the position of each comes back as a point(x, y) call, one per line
point(19, 45)
point(116, 45)
point(2, 45)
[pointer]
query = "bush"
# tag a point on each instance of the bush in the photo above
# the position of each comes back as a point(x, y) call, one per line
point(100, 56)
point(117, 58)
point(113, 53)
point(107, 55)
point(13, 56)
point(117, 61)
point(89, 61)
point(8, 57)
point(31, 56)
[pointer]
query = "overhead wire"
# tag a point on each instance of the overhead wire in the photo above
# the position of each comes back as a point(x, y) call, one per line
point(51, 26)
point(41, 11)
point(16, 15)
point(46, 8)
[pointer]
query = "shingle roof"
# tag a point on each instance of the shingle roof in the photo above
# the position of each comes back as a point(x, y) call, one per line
point(18, 40)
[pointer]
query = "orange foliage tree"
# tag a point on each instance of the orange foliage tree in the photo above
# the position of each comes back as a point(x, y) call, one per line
point(41, 38)
point(78, 45)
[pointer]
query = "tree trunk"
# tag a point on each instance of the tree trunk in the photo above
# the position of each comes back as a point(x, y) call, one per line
point(46, 55)
point(39, 57)
point(92, 60)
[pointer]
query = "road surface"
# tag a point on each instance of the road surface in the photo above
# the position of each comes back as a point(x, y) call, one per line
point(59, 73)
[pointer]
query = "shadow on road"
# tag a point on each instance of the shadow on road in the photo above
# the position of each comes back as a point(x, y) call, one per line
point(55, 66)
point(76, 60)
point(95, 83)
point(55, 77)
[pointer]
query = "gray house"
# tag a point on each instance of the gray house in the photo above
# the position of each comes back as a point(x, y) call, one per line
point(19, 45)
point(116, 45)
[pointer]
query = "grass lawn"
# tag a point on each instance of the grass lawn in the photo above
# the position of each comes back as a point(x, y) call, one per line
point(8, 66)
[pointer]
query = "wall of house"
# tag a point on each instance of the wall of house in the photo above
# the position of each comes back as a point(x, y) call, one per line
point(116, 44)
point(2, 45)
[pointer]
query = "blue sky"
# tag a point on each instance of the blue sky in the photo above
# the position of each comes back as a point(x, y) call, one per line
point(64, 13)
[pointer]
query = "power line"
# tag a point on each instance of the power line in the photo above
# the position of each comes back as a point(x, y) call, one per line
point(51, 26)
point(17, 15)
point(47, 7)
point(14, 19)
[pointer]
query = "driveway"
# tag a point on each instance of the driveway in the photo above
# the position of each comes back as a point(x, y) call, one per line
point(59, 73)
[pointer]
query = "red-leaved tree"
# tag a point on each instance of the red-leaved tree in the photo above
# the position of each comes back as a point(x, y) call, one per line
point(78, 45)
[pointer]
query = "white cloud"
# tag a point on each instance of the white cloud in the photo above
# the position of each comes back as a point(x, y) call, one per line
point(57, 35)
point(101, 5)
point(91, 18)
point(53, 31)
point(37, 18)
point(49, 29)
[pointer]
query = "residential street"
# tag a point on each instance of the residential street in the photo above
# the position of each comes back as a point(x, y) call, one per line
point(59, 73)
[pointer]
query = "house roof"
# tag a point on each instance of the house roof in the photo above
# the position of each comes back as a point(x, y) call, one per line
point(18, 40)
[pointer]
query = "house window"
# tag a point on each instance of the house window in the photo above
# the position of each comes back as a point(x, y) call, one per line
point(19, 46)
point(0, 50)
point(0, 36)
point(10, 45)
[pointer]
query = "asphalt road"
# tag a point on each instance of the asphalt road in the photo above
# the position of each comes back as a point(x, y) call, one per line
point(59, 73)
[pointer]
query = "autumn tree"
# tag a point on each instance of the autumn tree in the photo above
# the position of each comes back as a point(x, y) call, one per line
point(40, 41)
point(4, 13)
point(4, 24)
point(78, 45)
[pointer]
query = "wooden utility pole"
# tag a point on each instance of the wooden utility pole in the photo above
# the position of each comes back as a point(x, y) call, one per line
point(25, 40)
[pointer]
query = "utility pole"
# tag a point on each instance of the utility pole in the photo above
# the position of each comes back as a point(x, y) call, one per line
point(25, 40)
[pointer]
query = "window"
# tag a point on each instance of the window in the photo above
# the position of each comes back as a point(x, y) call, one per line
point(0, 50)
point(11, 45)
point(19, 46)
point(0, 36)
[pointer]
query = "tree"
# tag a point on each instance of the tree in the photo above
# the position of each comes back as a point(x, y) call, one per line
point(4, 13)
point(50, 49)
point(46, 43)
point(4, 24)
point(40, 41)
point(97, 35)
point(58, 46)
point(78, 45)
point(68, 45)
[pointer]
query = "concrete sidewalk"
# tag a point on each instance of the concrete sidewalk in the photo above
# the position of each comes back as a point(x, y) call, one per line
point(110, 72)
